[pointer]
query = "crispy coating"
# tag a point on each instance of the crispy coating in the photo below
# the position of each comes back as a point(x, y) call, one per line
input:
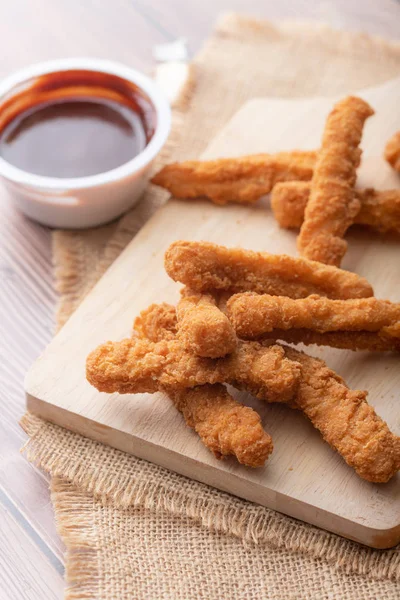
point(254, 317)
point(333, 206)
point(202, 327)
point(204, 266)
point(225, 426)
point(343, 416)
point(379, 210)
point(157, 322)
point(242, 180)
point(346, 420)
point(133, 366)
point(344, 340)
point(392, 151)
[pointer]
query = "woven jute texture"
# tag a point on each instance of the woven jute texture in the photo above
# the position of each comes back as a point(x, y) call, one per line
point(139, 553)
point(132, 529)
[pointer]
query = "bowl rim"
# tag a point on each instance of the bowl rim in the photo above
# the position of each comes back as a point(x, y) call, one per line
point(151, 89)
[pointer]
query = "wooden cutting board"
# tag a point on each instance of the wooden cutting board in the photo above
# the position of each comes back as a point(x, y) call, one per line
point(304, 477)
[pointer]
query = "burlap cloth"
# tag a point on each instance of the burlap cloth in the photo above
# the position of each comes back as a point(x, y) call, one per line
point(132, 529)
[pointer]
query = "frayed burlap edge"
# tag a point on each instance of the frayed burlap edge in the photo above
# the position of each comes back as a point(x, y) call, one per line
point(249, 522)
point(235, 25)
point(74, 521)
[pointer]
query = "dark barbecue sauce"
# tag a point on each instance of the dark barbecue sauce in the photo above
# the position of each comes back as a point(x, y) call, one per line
point(75, 125)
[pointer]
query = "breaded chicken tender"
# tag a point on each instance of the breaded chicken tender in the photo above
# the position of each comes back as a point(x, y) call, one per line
point(255, 317)
point(225, 426)
point(134, 366)
point(346, 420)
point(204, 266)
point(242, 180)
point(392, 151)
point(333, 205)
point(379, 210)
point(202, 328)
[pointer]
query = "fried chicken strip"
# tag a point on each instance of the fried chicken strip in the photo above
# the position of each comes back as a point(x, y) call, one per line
point(376, 323)
point(392, 151)
point(204, 266)
point(242, 180)
point(225, 426)
point(202, 327)
point(333, 205)
point(346, 420)
point(379, 210)
point(133, 366)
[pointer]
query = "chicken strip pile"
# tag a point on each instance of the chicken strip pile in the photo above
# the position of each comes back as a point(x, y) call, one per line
point(392, 151)
point(373, 324)
point(242, 180)
point(379, 210)
point(225, 426)
point(343, 417)
point(204, 266)
point(238, 303)
point(333, 206)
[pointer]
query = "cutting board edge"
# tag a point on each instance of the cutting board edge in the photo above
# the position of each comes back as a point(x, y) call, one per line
point(379, 538)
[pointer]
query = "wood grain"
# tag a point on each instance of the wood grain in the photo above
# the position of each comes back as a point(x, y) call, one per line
point(304, 477)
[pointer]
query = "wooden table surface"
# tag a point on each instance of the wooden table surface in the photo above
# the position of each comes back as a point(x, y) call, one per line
point(31, 553)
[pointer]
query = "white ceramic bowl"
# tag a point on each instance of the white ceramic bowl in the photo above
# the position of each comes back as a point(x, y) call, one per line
point(85, 201)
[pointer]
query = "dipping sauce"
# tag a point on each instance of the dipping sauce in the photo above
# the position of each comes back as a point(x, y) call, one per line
point(76, 124)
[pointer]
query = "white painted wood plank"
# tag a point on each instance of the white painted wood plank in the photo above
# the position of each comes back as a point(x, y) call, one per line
point(25, 572)
point(26, 324)
point(27, 489)
point(377, 17)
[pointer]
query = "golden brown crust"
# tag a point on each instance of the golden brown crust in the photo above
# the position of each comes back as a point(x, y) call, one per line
point(157, 322)
point(333, 206)
point(202, 328)
point(344, 340)
point(242, 180)
point(346, 420)
point(257, 316)
point(288, 203)
point(379, 210)
point(225, 426)
point(343, 416)
point(392, 151)
point(204, 266)
point(134, 366)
